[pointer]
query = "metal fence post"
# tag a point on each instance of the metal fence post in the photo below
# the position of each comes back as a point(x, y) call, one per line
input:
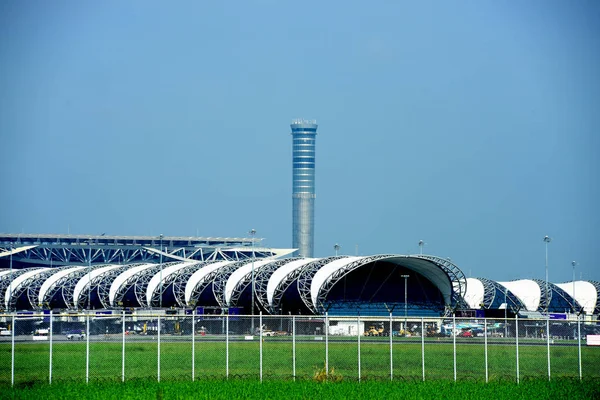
point(327, 344)
point(423, 347)
point(454, 342)
point(391, 351)
point(517, 345)
point(51, 336)
point(260, 346)
point(227, 344)
point(579, 345)
point(123, 349)
point(87, 348)
point(548, 342)
point(12, 352)
point(158, 354)
point(193, 345)
point(294, 347)
point(358, 341)
point(485, 344)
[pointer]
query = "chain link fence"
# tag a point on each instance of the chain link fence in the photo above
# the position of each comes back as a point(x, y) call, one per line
point(151, 345)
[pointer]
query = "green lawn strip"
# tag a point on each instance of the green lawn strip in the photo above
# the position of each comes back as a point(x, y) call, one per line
point(239, 389)
point(32, 361)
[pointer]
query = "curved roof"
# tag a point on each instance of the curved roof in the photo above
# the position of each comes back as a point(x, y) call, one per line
point(584, 292)
point(475, 292)
point(19, 280)
point(83, 282)
point(48, 283)
point(122, 278)
point(5, 272)
point(325, 272)
point(155, 281)
point(238, 276)
point(527, 290)
point(337, 268)
point(199, 275)
point(281, 274)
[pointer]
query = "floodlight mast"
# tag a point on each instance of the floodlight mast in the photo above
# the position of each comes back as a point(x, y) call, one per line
point(336, 247)
point(421, 244)
point(253, 234)
point(574, 263)
point(547, 239)
point(160, 274)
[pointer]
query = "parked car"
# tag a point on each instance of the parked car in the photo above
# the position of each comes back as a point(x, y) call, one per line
point(75, 335)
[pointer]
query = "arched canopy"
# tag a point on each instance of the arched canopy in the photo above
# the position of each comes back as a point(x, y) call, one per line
point(53, 279)
point(241, 277)
point(85, 280)
point(326, 273)
point(201, 276)
point(120, 280)
point(19, 284)
point(585, 293)
point(155, 281)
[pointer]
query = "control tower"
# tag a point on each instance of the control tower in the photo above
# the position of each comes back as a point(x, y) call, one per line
point(304, 135)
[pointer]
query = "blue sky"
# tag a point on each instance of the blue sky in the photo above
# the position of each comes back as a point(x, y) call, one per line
point(472, 125)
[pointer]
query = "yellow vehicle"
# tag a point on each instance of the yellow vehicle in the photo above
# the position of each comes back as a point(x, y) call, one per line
point(373, 331)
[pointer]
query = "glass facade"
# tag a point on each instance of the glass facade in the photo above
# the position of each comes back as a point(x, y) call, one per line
point(303, 186)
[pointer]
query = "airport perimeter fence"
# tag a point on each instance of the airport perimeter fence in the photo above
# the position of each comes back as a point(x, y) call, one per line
point(94, 346)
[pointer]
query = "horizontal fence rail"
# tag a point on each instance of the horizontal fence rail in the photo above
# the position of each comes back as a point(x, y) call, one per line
point(163, 346)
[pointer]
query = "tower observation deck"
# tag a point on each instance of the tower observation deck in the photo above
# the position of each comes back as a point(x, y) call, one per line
point(304, 135)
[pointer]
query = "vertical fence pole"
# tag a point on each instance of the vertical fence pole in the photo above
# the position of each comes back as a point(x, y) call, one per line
point(193, 345)
point(548, 342)
point(485, 344)
point(454, 342)
point(260, 358)
point(123, 348)
point(579, 345)
point(391, 351)
point(158, 353)
point(358, 341)
point(227, 344)
point(12, 352)
point(87, 348)
point(51, 336)
point(423, 347)
point(517, 345)
point(327, 344)
point(294, 347)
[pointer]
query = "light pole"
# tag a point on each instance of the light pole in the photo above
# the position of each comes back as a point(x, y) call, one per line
point(89, 275)
point(11, 278)
point(547, 239)
point(421, 244)
point(160, 274)
point(574, 263)
point(252, 233)
point(336, 247)
point(405, 299)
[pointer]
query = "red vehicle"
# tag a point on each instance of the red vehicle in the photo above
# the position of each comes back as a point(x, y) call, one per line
point(466, 333)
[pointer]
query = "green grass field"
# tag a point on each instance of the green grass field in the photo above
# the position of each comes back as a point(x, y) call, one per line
point(69, 361)
point(562, 388)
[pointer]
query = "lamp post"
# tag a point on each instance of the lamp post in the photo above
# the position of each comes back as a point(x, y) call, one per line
point(405, 299)
point(11, 278)
point(421, 244)
point(252, 233)
point(547, 239)
point(89, 275)
point(574, 263)
point(336, 247)
point(160, 274)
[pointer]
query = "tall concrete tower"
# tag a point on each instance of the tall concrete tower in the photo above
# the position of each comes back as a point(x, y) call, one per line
point(304, 135)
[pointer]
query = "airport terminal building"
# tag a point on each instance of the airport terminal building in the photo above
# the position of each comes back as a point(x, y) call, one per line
point(225, 275)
